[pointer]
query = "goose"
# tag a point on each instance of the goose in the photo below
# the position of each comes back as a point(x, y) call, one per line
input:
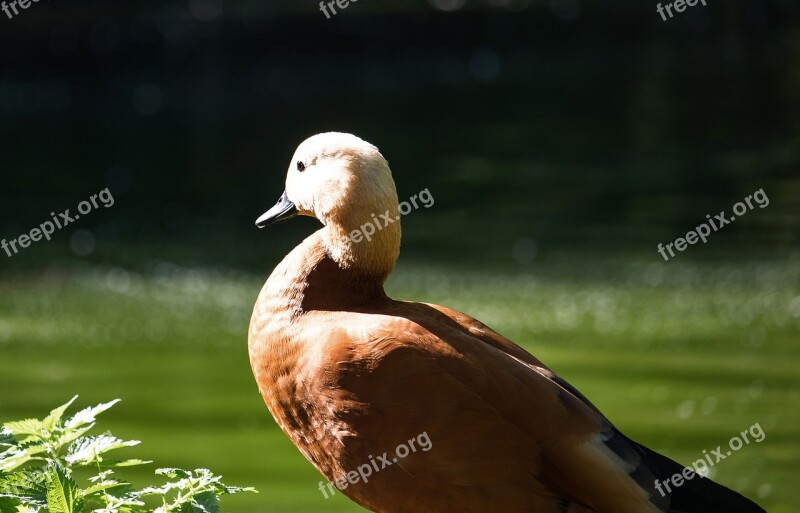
point(351, 376)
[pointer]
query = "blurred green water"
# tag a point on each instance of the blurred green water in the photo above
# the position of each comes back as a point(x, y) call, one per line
point(681, 357)
point(536, 133)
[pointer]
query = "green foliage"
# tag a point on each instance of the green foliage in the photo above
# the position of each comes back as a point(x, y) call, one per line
point(39, 460)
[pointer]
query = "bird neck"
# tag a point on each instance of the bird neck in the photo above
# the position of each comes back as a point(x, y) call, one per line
point(311, 278)
point(367, 245)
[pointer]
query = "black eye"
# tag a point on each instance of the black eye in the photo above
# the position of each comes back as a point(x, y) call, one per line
point(300, 166)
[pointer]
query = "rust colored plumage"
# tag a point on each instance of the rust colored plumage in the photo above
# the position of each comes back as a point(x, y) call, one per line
point(349, 373)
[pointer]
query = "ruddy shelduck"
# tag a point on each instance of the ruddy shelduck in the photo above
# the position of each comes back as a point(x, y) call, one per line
point(351, 375)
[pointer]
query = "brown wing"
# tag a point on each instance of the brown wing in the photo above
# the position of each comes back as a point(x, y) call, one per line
point(505, 434)
point(486, 334)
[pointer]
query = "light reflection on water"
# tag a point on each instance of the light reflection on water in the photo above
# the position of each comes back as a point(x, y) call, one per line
point(99, 305)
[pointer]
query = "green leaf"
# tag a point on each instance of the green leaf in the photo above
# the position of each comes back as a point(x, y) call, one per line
point(13, 461)
point(51, 421)
point(89, 450)
point(17, 456)
point(22, 429)
point(232, 490)
point(102, 476)
point(62, 492)
point(123, 504)
point(204, 502)
point(174, 473)
point(197, 491)
point(99, 489)
point(72, 434)
point(28, 486)
point(88, 415)
point(124, 463)
point(6, 438)
point(62, 446)
point(9, 504)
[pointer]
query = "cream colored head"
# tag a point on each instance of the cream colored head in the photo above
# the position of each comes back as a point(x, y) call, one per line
point(345, 183)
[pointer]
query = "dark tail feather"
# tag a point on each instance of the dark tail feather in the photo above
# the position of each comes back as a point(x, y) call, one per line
point(698, 495)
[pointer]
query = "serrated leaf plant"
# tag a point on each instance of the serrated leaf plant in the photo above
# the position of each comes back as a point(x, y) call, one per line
point(38, 459)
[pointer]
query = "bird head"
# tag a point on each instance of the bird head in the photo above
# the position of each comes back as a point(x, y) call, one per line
point(345, 183)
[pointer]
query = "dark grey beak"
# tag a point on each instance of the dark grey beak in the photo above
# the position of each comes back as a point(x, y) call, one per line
point(284, 209)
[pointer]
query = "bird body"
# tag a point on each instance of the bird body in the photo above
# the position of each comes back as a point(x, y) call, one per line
point(349, 374)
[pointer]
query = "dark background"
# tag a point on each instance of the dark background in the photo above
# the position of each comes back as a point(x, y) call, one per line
point(562, 140)
point(575, 125)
